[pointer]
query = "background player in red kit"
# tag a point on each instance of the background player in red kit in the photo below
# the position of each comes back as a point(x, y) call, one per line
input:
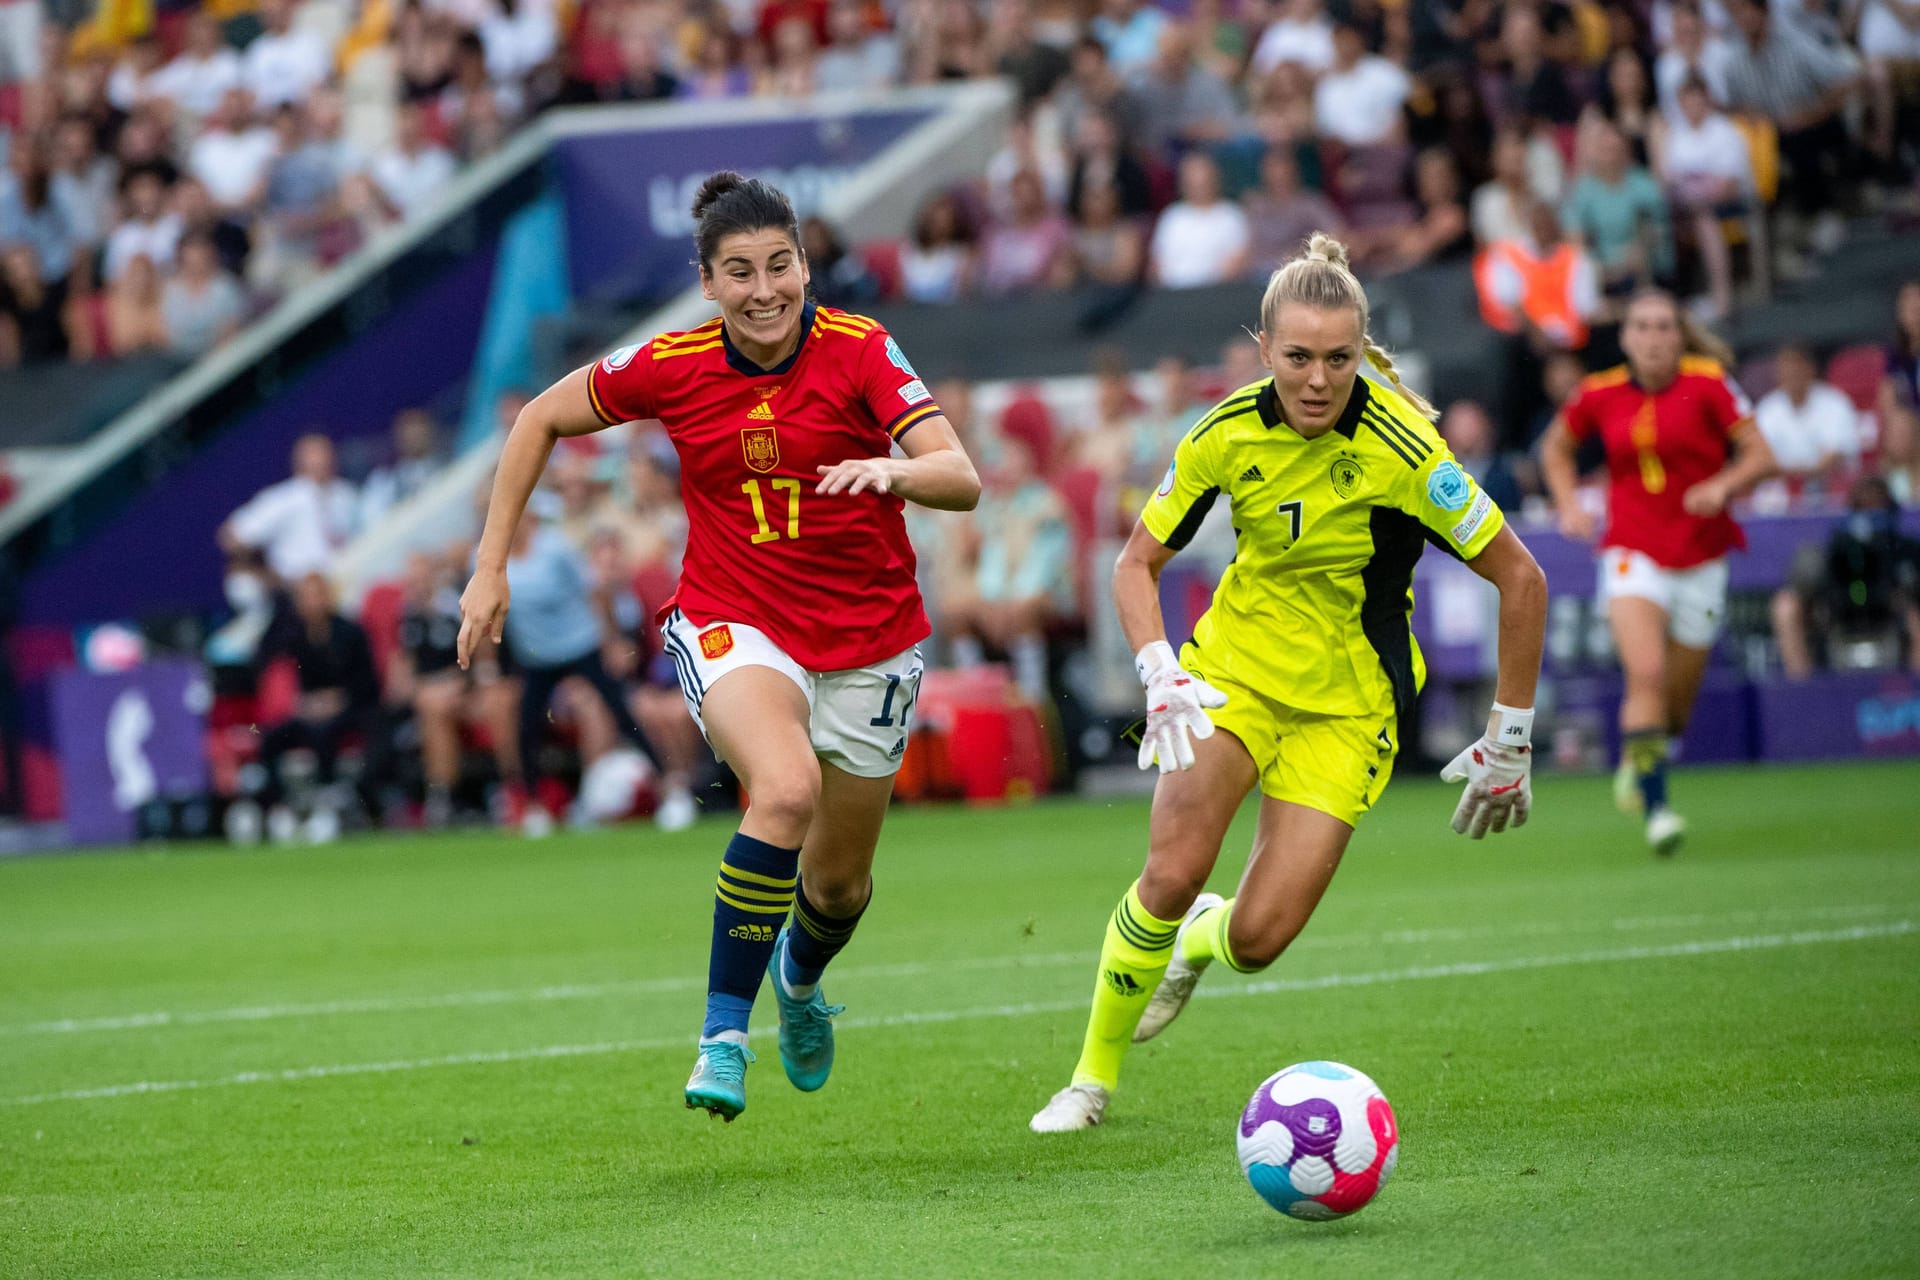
point(1681, 445)
point(797, 621)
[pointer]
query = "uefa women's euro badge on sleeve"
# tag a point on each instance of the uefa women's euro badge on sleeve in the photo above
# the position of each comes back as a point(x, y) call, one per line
point(1498, 771)
point(1176, 706)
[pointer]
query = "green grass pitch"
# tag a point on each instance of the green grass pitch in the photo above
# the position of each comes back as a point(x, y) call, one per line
point(463, 1056)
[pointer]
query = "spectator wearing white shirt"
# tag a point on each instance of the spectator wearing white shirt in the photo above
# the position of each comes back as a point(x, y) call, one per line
point(412, 172)
point(1889, 39)
point(133, 80)
point(1693, 53)
point(1361, 99)
point(416, 461)
point(1499, 208)
point(1302, 34)
point(519, 36)
point(201, 306)
point(284, 65)
point(1708, 174)
point(147, 229)
point(1811, 426)
point(202, 72)
point(83, 180)
point(301, 523)
point(234, 155)
point(1201, 238)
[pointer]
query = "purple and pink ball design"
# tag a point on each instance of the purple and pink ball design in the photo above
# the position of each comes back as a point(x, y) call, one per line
point(1318, 1140)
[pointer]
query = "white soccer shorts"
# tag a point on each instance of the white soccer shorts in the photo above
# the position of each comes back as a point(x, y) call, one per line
point(857, 719)
point(1695, 599)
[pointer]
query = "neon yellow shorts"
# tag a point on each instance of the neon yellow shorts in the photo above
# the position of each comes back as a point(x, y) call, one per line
point(1338, 765)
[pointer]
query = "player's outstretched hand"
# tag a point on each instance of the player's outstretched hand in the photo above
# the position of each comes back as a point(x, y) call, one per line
point(1499, 787)
point(857, 475)
point(1177, 705)
point(483, 611)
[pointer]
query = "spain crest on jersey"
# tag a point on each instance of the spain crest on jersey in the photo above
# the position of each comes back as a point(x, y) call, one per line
point(761, 445)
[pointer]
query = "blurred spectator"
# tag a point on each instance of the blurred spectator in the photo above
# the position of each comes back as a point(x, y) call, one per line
point(1108, 249)
point(1522, 174)
point(795, 52)
point(638, 76)
point(83, 180)
point(1281, 215)
point(1109, 442)
point(201, 304)
point(300, 523)
point(1302, 34)
point(134, 319)
point(1102, 159)
point(936, 265)
point(1469, 431)
point(417, 458)
point(520, 37)
point(1530, 86)
point(1708, 174)
point(857, 56)
point(1034, 66)
point(1362, 98)
point(229, 231)
point(1626, 102)
point(425, 677)
point(950, 45)
point(20, 60)
point(554, 635)
point(202, 72)
point(839, 278)
point(1032, 248)
point(650, 515)
point(586, 500)
point(1440, 230)
point(1093, 87)
point(1181, 103)
point(716, 69)
point(423, 51)
point(1025, 150)
point(1617, 210)
point(33, 213)
point(475, 107)
point(1860, 600)
point(1201, 238)
point(413, 171)
point(1779, 71)
point(1023, 582)
point(147, 229)
point(1130, 31)
point(339, 694)
point(33, 312)
point(134, 77)
point(283, 63)
point(1693, 53)
point(1889, 40)
point(145, 142)
point(1560, 377)
point(1543, 285)
point(1240, 361)
point(1899, 397)
point(1812, 427)
point(233, 154)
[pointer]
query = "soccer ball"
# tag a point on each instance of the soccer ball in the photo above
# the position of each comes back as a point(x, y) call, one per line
point(1318, 1140)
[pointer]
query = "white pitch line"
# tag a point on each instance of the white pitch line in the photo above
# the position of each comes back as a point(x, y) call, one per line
point(696, 982)
point(1418, 973)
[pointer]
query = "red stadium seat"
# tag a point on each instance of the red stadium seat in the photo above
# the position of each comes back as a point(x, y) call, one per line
point(380, 611)
point(882, 258)
point(1858, 371)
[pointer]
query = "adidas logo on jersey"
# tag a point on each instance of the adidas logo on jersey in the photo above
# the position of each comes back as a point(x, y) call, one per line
point(1251, 474)
point(762, 412)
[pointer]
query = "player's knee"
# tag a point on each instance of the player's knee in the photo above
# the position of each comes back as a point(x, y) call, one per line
point(836, 895)
point(785, 802)
point(1169, 885)
point(1255, 944)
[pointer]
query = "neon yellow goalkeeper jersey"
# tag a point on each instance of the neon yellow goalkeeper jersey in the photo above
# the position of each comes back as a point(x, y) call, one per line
point(1314, 612)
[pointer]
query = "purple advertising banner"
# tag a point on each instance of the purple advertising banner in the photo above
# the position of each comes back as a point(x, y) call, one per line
point(1841, 715)
point(125, 739)
point(629, 194)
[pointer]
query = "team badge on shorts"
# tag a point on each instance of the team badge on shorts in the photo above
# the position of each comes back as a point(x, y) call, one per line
point(717, 643)
point(1346, 476)
point(761, 445)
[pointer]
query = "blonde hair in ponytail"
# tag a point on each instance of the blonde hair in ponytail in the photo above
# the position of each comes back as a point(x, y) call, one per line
point(1323, 279)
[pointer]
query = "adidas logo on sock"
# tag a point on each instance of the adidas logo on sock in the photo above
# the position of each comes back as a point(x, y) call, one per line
point(1251, 473)
point(1123, 983)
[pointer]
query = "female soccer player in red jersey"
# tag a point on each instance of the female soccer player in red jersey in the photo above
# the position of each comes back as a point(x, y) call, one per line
point(797, 623)
point(1681, 444)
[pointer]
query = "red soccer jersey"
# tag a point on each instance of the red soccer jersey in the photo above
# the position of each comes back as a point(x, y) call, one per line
point(830, 578)
point(1660, 444)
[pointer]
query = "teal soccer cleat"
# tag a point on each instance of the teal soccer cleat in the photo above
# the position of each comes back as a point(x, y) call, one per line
point(806, 1028)
point(719, 1080)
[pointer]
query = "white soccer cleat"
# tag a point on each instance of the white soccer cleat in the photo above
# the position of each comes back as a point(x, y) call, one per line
point(1626, 788)
point(283, 824)
point(1171, 996)
point(1665, 830)
point(1078, 1106)
point(536, 823)
point(677, 810)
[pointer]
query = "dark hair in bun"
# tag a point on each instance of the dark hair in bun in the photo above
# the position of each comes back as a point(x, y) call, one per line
point(728, 204)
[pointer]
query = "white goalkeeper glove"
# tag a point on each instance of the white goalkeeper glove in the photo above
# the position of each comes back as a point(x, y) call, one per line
point(1498, 771)
point(1176, 706)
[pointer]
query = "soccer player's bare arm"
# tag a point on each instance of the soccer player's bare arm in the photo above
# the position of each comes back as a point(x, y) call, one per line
point(1136, 588)
point(1752, 462)
point(1509, 566)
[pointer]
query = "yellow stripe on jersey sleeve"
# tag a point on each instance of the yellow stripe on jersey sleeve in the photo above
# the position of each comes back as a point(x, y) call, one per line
point(593, 397)
point(670, 352)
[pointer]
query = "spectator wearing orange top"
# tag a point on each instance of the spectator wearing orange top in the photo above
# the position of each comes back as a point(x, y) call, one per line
point(1541, 291)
